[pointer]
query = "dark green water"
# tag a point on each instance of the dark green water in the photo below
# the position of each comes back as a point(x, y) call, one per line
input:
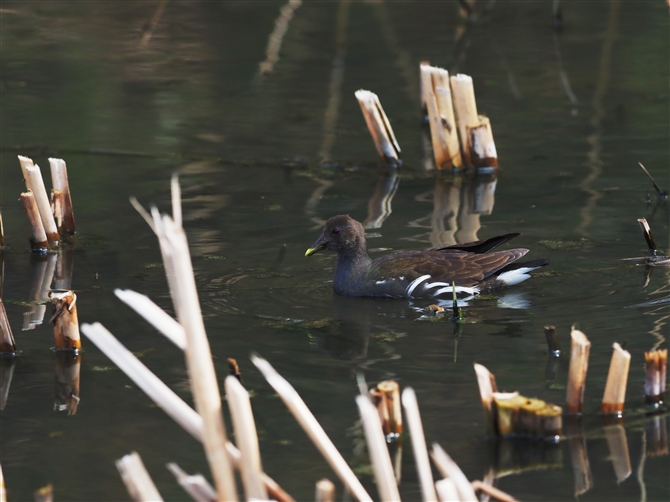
point(77, 83)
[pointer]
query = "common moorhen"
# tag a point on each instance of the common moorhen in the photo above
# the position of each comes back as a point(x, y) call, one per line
point(419, 274)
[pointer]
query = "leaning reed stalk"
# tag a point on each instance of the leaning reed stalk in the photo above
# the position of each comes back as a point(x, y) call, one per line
point(35, 183)
point(449, 469)
point(194, 484)
point(379, 127)
point(379, 454)
point(418, 444)
point(311, 426)
point(492, 491)
point(579, 362)
point(617, 379)
point(60, 184)
point(38, 241)
point(136, 478)
point(246, 439)
point(154, 315)
point(446, 491)
point(204, 385)
point(7, 343)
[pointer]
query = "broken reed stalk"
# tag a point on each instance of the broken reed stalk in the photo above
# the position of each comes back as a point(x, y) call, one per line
point(7, 343)
point(580, 347)
point(246, 439)
point(419, 444)
point(379, 454)
point(656, 365)
point(204, 384)
point(552, 341)
point(194, 484)
point(617, 378)
point(386, 397)
point(325, 491)
point(449, 469)
point(311, 426)
point(136, 478)
point(35, 184)
point(492, 491)
point(67, 382)
point(436, 93)
point(66, 323)
point(487, 386)
point(484, 153)
point(379, 127)
point(154, 315)
point(446, 490)
point(465, 106)
point(618, 448)
point(517, 415)
point(38, 242)
point(60, 184)
point(164, 397)
point(646, 231)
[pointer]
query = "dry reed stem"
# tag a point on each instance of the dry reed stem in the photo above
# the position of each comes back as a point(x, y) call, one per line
point(552, 340)
point(618, 447)
point(56, 204)
point(3, 492)
point(194, 484)
point(204, 384)
point(61, 184)
point(487, 386)
point(491, 490)
point(246, 439)
point(646, 231)
point(234, 369)
point(449, 469)
point(379, 127)
point(7, 343)
point(483, 147)
point(325, 491)
point(656, 364)
point(379, 454)
point(311, 426)
point(66, 322)
point(465, 106)
point(446, 491)
point(617, 379)
point(35, 183)
point(436, 91)
point(154, 315)
point(418, 444)
point(580, 347)
point(138, 482)
point(390, 393)
point(38, 241)
point(25, 162)
point(45, 494)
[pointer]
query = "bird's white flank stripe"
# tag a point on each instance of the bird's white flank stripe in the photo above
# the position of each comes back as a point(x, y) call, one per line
point(515, 276)
point(459, 289)
point(415, 283)
point(431, 285)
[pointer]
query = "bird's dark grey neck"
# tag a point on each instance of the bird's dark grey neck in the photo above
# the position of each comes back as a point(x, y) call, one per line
point(350, 270)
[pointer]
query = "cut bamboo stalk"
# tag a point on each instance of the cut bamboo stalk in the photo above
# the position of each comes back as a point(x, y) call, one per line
point(154, 315)
point(379, 127)
point(38, 242)
point(446, 491)
point(60, 184)
point(552, 340)
point(164, 397)
point(45, 494)
point(194, 484)
point(35, 184)
point(379, 454)
point(465, 106)
point(487, 386)
point(579, 362)
point(246, 439)
point(646, 231)
point(7, 343)
point(483, 147)
point(436, 90)
point(656, 364)
point(6, 373)
point(204, 385)
point(618, 448)
point(66, 322)
point(3, 492)
point(311, 426)
point(138, 482)
point(492, 491)
point(617, 378)
point(67, 382)
point(449, 469)
point(325, 491)
point(419, 444)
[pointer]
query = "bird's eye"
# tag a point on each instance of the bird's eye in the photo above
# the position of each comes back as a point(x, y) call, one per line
point(336, 230)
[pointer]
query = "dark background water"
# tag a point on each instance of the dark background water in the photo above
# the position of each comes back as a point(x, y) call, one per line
point(572, 114)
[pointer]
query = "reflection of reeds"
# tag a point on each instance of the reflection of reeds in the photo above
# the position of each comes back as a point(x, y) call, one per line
point(6, 373)
point(67, 382)
point(579, 457)
point(277, 35)
point(618, 447)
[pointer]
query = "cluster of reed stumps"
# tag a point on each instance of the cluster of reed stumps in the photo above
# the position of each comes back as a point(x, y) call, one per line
point(461, 138)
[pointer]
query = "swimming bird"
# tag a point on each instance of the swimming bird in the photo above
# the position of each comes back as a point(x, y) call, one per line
point(474, 267)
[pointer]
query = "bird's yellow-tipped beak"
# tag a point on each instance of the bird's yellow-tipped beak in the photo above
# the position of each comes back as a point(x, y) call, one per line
point(311, 251)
